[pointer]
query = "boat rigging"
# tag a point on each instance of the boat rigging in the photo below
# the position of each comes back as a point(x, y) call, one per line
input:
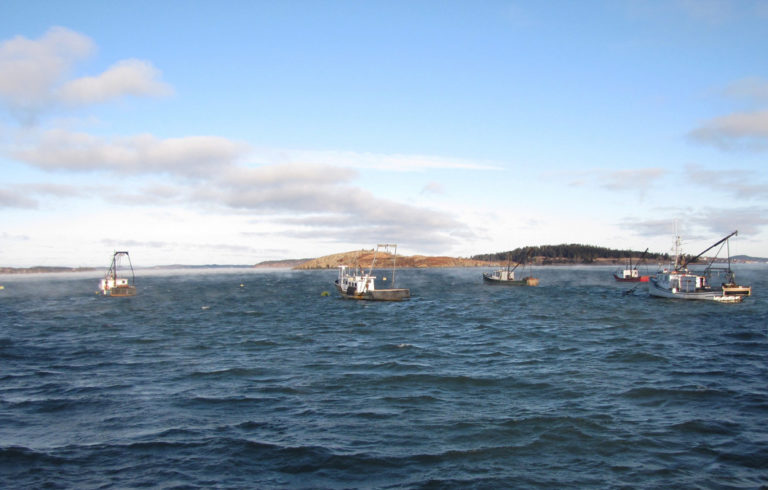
point(115, 285)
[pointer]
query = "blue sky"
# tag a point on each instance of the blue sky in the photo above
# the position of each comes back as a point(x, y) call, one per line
point(235, 132)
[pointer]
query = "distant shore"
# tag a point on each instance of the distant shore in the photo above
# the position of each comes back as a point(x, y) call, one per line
point(44, 269)
point(363, 259)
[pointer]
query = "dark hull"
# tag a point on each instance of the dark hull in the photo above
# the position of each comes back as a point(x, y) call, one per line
point(122, 291)
point(526, 281)
point(379, 295)
point(631, 279)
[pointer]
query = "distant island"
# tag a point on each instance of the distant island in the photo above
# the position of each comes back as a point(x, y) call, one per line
point(363, 258)
point(572, 253)
point(588, 254)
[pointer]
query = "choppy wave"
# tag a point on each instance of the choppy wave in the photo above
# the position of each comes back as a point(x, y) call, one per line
point(198, 382)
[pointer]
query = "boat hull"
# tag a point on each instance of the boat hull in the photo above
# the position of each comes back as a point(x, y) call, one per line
point(120, 291)
point(708, 295)
point(526, 281)
point(377, 294)
point(631, 279)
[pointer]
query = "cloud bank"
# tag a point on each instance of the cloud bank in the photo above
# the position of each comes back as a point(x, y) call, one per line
point(35, 75)
point(738, 131)
point(744, 130)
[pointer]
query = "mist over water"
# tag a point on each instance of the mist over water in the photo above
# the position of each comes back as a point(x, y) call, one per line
point(247, 378)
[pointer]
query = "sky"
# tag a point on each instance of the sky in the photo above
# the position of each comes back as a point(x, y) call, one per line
point(233, 132)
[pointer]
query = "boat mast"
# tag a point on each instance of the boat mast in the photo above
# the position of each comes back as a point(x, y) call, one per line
point(112, 272)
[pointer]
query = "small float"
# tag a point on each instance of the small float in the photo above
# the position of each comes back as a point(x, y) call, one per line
point(116, 281)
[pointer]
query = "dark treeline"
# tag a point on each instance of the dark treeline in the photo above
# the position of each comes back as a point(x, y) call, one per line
point(573, 253)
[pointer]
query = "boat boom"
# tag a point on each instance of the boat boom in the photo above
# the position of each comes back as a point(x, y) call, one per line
point(684, 263)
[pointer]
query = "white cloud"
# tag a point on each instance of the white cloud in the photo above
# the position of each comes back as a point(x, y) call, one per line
point(433, 188)
point(30, 68)
point(742, 184)
point(12, 198)
point(390, 162)
point(34, 75)
point(128, 77)
point(206, 172)
point(751, 88)
point(736, 131)
point(30, 196)
point(318, 201)
point(639, 180)
point(60, 149)
point(635, 180)
point(704, 223)
point(748, 220)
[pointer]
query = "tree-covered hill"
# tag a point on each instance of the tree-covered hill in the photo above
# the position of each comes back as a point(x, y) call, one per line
point(567, 253)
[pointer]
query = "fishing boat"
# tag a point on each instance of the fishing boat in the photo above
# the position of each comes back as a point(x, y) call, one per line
point(631, 274)
point(678, 282)
point(117, 285)
point(506, 276)
point(362, 286)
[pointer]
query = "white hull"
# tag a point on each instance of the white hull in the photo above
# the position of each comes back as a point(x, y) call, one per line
point(654, 289)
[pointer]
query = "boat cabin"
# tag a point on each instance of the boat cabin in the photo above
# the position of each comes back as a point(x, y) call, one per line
point(628, 274)
point(504, 275)
point(354, 283)
point(682, 282)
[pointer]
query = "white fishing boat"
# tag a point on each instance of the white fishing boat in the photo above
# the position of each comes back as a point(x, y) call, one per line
point(116, 281)
point(361, 285)
point(506, 276)
point(678, 282)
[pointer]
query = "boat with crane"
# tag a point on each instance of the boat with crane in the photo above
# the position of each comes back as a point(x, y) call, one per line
point(361, 285)
point(679, 282)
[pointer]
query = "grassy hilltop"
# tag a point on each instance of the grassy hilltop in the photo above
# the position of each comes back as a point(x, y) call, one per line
point(363, 258)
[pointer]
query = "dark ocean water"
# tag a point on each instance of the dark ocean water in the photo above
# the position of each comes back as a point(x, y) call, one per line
point(201, 382)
